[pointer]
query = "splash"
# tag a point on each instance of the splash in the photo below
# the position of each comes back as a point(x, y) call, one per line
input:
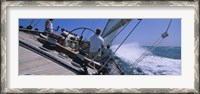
point(130, 52)
point(150, 65)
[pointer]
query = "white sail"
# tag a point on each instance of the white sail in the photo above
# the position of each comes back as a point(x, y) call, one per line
point(112, 27)
point(111, 30)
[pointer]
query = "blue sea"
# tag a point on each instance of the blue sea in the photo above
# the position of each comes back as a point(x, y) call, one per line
point(166, 51)
point(163, 60)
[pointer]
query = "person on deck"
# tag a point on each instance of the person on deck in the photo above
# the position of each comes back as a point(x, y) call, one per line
point(64, 33)
point(106, 54)
point(79, 44)
point(96, 44)
point(49, 26)
point(52, 38)
point(80, 41)
point(50, 31)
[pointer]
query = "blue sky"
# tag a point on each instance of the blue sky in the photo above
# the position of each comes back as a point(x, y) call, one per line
point(147, 32)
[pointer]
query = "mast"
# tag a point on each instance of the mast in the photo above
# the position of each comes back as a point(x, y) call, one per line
point(112, 28)
point(113, 25)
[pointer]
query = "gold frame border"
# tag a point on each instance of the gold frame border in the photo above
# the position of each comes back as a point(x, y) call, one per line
point(5, 4)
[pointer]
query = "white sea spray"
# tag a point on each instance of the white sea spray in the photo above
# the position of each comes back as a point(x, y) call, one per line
point(151, 64)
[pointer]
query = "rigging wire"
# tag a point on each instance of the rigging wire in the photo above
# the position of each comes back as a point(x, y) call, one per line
point(110, 42)
point(146, 52)
point(30, 26)
point(105, 27)
point(121, 44)
point(95, 23)
point(32, 21)
point(155, 44)
point(36, 23)
point(118, 33)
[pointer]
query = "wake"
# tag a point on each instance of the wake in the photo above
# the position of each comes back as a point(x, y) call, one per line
point(150, 65)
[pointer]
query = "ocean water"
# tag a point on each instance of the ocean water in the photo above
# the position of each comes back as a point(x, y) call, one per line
point(162, 60)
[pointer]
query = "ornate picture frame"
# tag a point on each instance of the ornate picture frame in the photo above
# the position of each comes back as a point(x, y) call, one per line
point(4, 48)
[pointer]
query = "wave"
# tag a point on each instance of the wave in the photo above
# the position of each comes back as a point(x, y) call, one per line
point(150, 65)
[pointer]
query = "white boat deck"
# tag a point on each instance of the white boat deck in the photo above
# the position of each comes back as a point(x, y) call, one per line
point(32, 63)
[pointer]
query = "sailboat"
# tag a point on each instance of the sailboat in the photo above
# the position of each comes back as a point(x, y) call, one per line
point(71, 43)
point(66, 46)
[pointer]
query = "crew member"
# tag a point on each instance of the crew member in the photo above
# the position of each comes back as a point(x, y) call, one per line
point(106, 53)
point(96, 44)
point(49, 26)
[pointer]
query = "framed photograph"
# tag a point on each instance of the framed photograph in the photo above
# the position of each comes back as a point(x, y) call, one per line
point(100, 46)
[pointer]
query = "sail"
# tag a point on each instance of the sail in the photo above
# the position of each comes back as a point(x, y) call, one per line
point(112, 27)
